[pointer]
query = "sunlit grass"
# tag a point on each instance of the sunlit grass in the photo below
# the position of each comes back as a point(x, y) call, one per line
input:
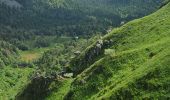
point(32, 55)
point(141, 58)
point(12, 80)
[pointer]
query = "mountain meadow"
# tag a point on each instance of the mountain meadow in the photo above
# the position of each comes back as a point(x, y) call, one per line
point(84, 49)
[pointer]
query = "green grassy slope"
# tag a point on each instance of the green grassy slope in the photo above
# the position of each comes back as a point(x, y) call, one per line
point(12, 80)
point(34, 54)
point(139, 67)
point(60, 91)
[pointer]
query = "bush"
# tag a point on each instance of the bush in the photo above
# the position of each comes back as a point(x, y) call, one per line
point(25, 64)
point(40, 42)
point(22, 46)
point(1, 63)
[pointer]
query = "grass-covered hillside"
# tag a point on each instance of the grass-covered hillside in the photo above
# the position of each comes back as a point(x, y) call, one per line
point(130, 62)
point(12, 81)
point(13, 75)
point(43, 55)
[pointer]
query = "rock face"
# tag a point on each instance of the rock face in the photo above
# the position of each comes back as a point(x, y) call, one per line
point(90, 55)
point(93, 53)
point(37, 89)
point(11, 3)
point(68, 75)
point(77, 53)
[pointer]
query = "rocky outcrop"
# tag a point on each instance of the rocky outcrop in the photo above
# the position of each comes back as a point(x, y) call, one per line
point(37, 89)
point(94, 53)
point(90, 55)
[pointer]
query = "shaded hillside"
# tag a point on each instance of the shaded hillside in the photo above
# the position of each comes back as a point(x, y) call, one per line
point(73, 17)
point(130, 62)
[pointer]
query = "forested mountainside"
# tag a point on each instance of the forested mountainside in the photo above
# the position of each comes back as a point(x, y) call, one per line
point(72, 17)
point(29, 24)
point(84, 49)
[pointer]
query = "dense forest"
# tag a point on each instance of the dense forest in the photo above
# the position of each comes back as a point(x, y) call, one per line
point(73, 17)
point(34, 20)
point(84, 49)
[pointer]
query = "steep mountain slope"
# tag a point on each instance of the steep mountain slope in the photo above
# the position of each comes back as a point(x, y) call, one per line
point(127, 63)
point(130, 62)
